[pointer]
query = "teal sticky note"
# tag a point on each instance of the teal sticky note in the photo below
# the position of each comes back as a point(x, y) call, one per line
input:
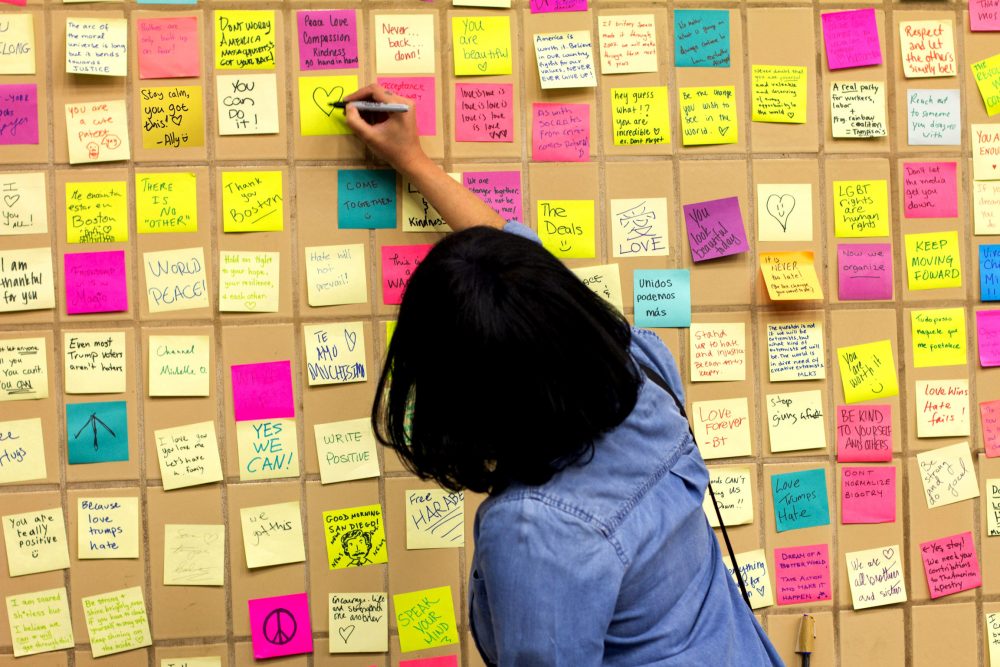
point(97, 432)
point(701, 37)
point(366, 198)
point(800, 500)
point(662, 298)
point(989, 272)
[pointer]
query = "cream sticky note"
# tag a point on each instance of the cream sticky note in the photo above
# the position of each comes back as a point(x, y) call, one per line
point(948, 475)
point(927, 48)
point(779, 94)
point(94, 362)
point(36, 542)
point(565, 59)
point(987, 75)
point(249, 282)
point(346, 450)
point(272, 534)
point(857, 109)
point(985, 151)
point(733, 493)
point(355, 537)
point(116, 621)
point(417, 214)
point(244, 39)
point(335, 353)
point(993, 637)
point(481, 45)
point(194, 554)
point(753, 569)
point(860, 209)
point(942, 408)
point(933, 260)
point(267, 448)
point(179, 366)
point(175, 279)
point(722, 427)
point(784, 212)
point(97, 132)
point(938, 337)
point(640, 116)
point(628, 43)
point(639, 227)
point(26, 281)
point(336, 275)
point(985, 207)
point(97, 46)
point(795, 421)
point(867, 371)
point(605, 281)
point(566, 227)
point(790, 276)
point(19, 55)
point(107, 528)
point(23, 202)
point(22, 451)
point(188, 455)
point(435, 519)
point(252, 201)
point(247, 104)
point(992, 508)
point(205, 661)
point(40, 622)
point(718, 352)
point(24, 371)
point(172, 117)
point(876, 576)
point(404, 43)
point(412, 613)
point(96, 212)
point(359, 623)
point(316, 94)
point(709, 115)
point(166, 202)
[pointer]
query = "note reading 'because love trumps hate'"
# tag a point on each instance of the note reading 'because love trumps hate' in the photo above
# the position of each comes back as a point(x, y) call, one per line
point(107, 528)
point(426, 619)
point(715, 229)
point(802, 574)
point(951, 564)
point(864, 433)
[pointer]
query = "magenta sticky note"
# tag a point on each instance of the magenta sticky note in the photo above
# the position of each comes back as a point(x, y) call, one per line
point(930, 190)
point(263, 391)
point(802, 574)
point(989, 414)
point(864, 271)
point(501, 190)
point(560, 132)
point(280, 626)
point(442, 661)
point(988, 337)
point(984, 15)
point(17, 3)
point(398, 263)
point(18, 114)
point(868, 495)
point(328, 39)
point(420, 89)
point(715, 229)
point(168, 48)
point(851, 39)
point(546, 6)
point(96, 282)
point(951, 564)
point(484, 112)
point(864, 433)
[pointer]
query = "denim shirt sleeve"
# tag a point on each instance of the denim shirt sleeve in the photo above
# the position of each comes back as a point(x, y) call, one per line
point(515, 227)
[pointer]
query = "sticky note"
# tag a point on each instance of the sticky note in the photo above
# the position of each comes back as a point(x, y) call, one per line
point(603, 280)
point(951, 564)
point(718, 352)
point(26, 279)
point(868, 495)
point(779, 94)
point(864, 271)
point(753, 570)
point(20, 114)
point(19, 56)
point(927, 48)
point(795, 421)
point(36, 542)
point(188, 455)
point(864, 433)
point(252, 201)
point(860, 208)
point(934, 117)
point(355, 537)
point(560, 132)
point(263, 391)
point(328, 39)
point(404, 43)
point(398, 263)
point(784, 212)
point(244, 39)
point(662, 298)
point(549, 6)
point(876, 576)
point(24, 369)
point(422, 90)
point(639, 227)
point(179, 366)
point(851, 39)
point(116, 621)
point(96, 132)
point(566, 227)
point(172, 117)
point(701, 37)
point(989, 414)
point(640, 116)
point(346, 450)
point(336, 275)
point(500, 190)
point(989, 272)
point(481, 45)
point(938, 337)
point(933, 260)
point(40, 622)
point(565, 59)
point(166, 202)
point(94, 362)
point(985, 151)
point(359, 623)
point(988, 337)
point(733, 494)
point(930, 190)
point(267, 449)
point(96, 212)
point(795, 351)
point(23, 208)
point(22, 451)
point(987, 75)
point(417, 214)
point(280, 626)
point(722, 427)
point(108, 528)
point(272, 534)
point(947, 475)
point(800, 500)
point(942, 408)
point(790, 276)
point(983, 16)
point(628, 43)
point(366, 199)
point(709, 115)
point(96, 282)
point(802, 574)
point(335, 353)
point(175, 280)
point(992, 509)
point(194, 554)
point(857, 109)
point(413, 606)
point(169, 48)
point(316, 94)
point(867, 371)
point(249, 282)
point(435, 519)
point(247, 104)
point(97, 46)
point(484, 112)
point(715, 229)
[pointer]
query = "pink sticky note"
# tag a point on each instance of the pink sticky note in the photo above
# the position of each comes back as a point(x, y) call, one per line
point(484, 112)
point(864, 271)
point(864, 433)
point(443, 661)
point(501, 190)
point(984, 15)
point(328, 39)
point(18, 114)
point(263, 391)
point(989, 413)
point(802, 574)
point(930, 190)
point(560, 132)
point(851, 39)
point(868, 495)
point(280, 626)
point(546, 6)
point(169, 48)
point(421, 90)
point(951, 564)
point(398, 263)
point(96, 282)
point(715, 229)
point(19, 3)
point(988, 337)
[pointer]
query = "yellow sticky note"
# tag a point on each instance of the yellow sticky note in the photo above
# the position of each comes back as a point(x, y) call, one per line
point(179, 366)
point(790, 276)
point(96, 212)
point(361, 621)
point(993, 636)
point(23, 456)
point(481, 45)
point(267, 449)
point(784, 212)
point(993, 507)
point(709, 115)
point(412, 611)
point(733, 493)
point(206, 661)
point(390, 328)
point(566, 227)
point(166, 202)
point(938, 337)
point(986, 207)
point(172, 117)
point(107, 528)
point(94, 362)
point(252, 201)
point(335, 353)
point(417, 214)
point(355, 537)
point(116, 621)
point(948, 475)
point(867, 371)
point(335, 274)
point(795, 421)
point(194, 555)
point(40, 622)
point(272, 534)
point(640, 116)
point(244, 39)
point(860, 209)
point(753, 568)
point(876, 576)
point(24, 371)
point(435, 519)
point(933, 260)
point(927, 48)
point(722, 427)
point(97, 132)
point(19, 56)
point(175, 279)
point(404, 43)
point(605, 281)
point(987, 75)
point(249, 282)
point(23, 207)
point(316, 94)
point(985, 151)
point(188, 455)
point(778, 94)
point(36, 542)
point(942, 408)
point(857, 109)
point(718, 351)
point(346, 450)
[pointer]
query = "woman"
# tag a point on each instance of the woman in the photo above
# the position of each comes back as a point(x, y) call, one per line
point(506, 375)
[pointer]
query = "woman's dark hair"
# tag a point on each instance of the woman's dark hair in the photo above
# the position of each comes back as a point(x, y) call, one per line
point(504, 367)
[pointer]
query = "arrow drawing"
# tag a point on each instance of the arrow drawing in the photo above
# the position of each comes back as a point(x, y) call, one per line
point(93, 422)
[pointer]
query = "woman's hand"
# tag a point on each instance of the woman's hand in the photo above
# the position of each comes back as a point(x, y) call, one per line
point(391, 136)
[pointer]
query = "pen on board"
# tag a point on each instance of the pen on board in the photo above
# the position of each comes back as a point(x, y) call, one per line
point(372, 106)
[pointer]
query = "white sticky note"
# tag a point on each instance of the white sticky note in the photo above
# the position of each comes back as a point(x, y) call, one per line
point(733, 493)
point(784, 212)
point(947, 475)
point(876, 576)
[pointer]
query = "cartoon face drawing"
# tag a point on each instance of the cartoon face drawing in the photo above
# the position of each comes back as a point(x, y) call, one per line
point(357, 545)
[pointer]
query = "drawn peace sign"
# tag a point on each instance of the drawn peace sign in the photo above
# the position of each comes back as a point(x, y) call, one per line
point(280, 627)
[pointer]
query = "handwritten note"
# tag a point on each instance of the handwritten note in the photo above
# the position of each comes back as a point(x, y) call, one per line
point(860, 208)
point(435, 519)
point(252, 201)
point(484, 112)
point(247, 104)
point(422, 90)
point(188, 455)
point(864, 433)
point(94, 362)
point(116, 621)
point(753, 569)
point(416, 212)
point(263, 391)
point(795, 351)
point(802, 574)
point(23, 208)
point(175, 280)
point(662, 297)
point(404, 43)
point(96, 212)
point(96, 282)
point(267, 449)
point(398, 263)
point(933, 260)
point(166, 202)
point(249, 282)
point(988, 337)
point(108, 528)
point(715, 229)
point(97, 46)
point(989, 272)
point(718, 352)
point(992, 509)
point(733, 493)
point(244, 39)
point(481, 45)
point(36, 542)
point(168, 47)
point(26, 279)
point(986, 207)
point(603, 280)
point(18, 114)
point(18, 54)
point(984, 15)
point(172, 117)
point(280, 626)
point(560, 132)
point(355, 537)
point(366, 199)
point(930, 190)
point(40, 622)
point(938, 337)
point(779, 94)
point(935, 117)
point(566, 227)
point(701, 37)
point(500, 190)
point(359, 623)
point(784, 212)
point(868, 495)
point(336, 275)
point(335, 353)
point(194, 554)
point(97, 132)
point(722, 427)
point(876, 576)
point(985, 152)
point(951, 565)
point(272, 534)
point(24, 373)
point(179, 366)
point(709, 116)
point(927, 48)
point(565, 60)
point(346, 450)
point(857, 109)
point(987, 75)
point(948, 475)
point(628, 43)
point(425, 619)
point(851, 39)
point(640, 116)
point(795, 421)
point(989, 414)
point(790, 276)
point(316, 94)
point(639, 227)
point(864, 271)
point(867, 371)
point(549, 6)
point(800, 500)
point(328, 39)
point(97, 432)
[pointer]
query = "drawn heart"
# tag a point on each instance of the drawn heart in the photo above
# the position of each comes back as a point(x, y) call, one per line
point(790, 114)
point(482, 66)
point(351, 338)
point(780, 207)
point(250, 305)
point(888, 553)
point(345, 633)
point(323, 98)
point(10, 200)
point(723, 130)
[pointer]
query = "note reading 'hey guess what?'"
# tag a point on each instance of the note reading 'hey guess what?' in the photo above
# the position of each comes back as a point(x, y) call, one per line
point(96, 282)
point(640, 116)
point(398, 263)
point(244, 39)
point(336, 275)
point(851, 39)
point(116, 621)
point(97, 132)
point(280, 626)
point(715, 229)
point(867, 371)
point(864, 433)
point(263, 391)
point(328, 39)
point(355, 537)
point(800, 500)
point(733, 493)
point(346, 450)
point(802, 574)
point(795, 351)
point(951, 565)
point(40, 622)
point(948, 475)
point(876, 576)
point(36, 542)
point(709, 116)
point(272, 534)
point(425, 619)
point(560, 132)
point(188, 455)
point(718, 351)
point(868, 495)
point(795, 421)
point(722, 427)
point(662, 297)
point(168, 47)
point(359, 623)
point(24, 372)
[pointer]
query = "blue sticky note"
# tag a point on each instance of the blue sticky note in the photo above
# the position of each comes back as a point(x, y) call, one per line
point(366, 198)
point(989, 272)
point(800, 500)
point(662, 298)
point(701, 37)
point(97, 432)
